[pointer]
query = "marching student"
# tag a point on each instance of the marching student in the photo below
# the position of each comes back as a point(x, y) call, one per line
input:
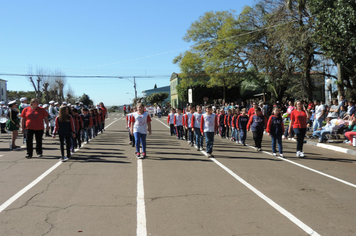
point(275, 128)
point(94, 119)
point(128, 126)
point(185, 126)
point(87, 124)
point(178, 123)
point(228, 122)
point(140, 124)
point(188, 124)
point(209, 126)
point(257, 124)
point(170, 121)
point(242, 121)
point(102, 119)
point(77, 142)
point(234, 126)
point(13, 123)
point(52, 111)
point(65, 128)
point(98, 118)
point(195, 124)
point(23, 104)
point(221, 119)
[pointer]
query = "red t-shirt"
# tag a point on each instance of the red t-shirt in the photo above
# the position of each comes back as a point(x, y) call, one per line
point(34, 118)
point(299, 119)
point(251, 112)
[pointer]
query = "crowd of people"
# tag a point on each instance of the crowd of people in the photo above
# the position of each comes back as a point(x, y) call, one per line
point(194, 123)
point(72, 123)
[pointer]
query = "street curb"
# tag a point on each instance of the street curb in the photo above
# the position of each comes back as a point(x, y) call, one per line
point(330, 147)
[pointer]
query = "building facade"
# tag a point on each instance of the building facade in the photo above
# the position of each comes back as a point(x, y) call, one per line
point(165, 89)
point(3, 90)
point(175, 80)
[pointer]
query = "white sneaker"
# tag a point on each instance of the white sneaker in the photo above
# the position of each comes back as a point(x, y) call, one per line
point(298, 153)
point(65, 159)
point(201, 149)
point(274, 154)
point(302, 154)
point(61, 159)
point(281, 155)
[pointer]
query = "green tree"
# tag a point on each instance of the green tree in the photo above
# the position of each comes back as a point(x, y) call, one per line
point(157, 98)
point(335, 30)
point(16, 95)
point(85, 99)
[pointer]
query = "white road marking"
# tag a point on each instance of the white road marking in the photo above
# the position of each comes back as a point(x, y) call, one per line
point(284, 212)
point(300, 165)
point(28, 187)
point(141, 208)
point(36, 181)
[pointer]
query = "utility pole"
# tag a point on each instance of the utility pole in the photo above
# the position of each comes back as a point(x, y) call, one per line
point(135, 90)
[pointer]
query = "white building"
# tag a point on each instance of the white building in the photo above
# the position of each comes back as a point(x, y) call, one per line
point(3, 90)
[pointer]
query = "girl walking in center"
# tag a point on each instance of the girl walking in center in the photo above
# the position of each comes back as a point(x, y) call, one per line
point(65, 128)
point(140, 124)
point(275, 128)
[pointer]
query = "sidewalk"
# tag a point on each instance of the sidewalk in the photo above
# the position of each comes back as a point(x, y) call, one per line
point(334, 145)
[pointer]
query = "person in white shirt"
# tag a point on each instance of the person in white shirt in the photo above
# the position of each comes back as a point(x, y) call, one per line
point(208, 127)
point(159, 111)
point(140, 125)
point(319, 115)
point(321, 132)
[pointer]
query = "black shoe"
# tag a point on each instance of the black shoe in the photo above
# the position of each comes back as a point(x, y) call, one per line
point(28, 156)
point(3, 132)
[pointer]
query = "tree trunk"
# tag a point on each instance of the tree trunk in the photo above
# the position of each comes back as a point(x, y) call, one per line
point(340, 81)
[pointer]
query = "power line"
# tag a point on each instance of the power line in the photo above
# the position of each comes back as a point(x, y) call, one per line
point(87, 76)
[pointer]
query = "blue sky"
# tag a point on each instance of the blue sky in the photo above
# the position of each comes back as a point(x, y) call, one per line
point(116, 38)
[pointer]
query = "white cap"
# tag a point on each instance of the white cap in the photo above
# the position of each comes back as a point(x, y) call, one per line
point(40, 105)
point(69, 104)
point(23, 99)
point(64, 103)
point(2, 103)
point(51, 102)
point(45, 105)
point(56, 103)
point(80, 103)
point(12, 102)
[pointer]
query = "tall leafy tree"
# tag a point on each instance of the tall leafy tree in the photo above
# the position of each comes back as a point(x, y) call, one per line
point(335, 31)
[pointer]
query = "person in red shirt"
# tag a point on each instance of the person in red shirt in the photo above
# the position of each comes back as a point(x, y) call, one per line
point(32, 123)
point(105, 111)
point(251, 111)
point(298, 121)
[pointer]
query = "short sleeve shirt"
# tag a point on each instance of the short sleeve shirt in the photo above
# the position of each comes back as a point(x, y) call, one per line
point(318, 111)
point(34, 117)
point(140, 122)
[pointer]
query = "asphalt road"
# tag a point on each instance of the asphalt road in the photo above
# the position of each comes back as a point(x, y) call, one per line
point(182, 192)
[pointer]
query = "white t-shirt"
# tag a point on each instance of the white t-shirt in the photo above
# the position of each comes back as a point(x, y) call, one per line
point(140, 122)
point(178, 119)
point(318, 111)
point(158, 110)
point(209, 122)
point(197, 118)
